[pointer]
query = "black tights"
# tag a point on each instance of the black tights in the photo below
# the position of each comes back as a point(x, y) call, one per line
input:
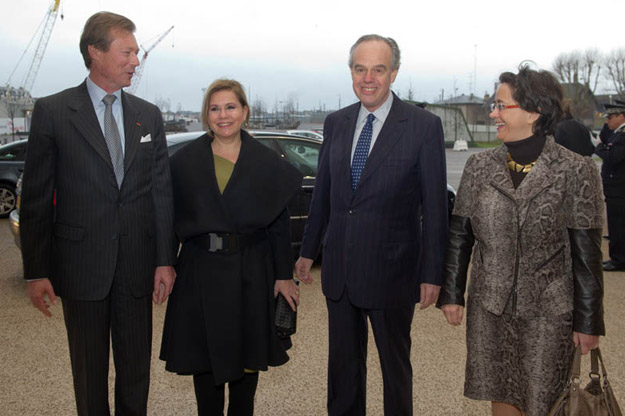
point(210, 397)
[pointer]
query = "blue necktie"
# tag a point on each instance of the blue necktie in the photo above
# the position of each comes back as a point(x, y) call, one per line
point(362, 150)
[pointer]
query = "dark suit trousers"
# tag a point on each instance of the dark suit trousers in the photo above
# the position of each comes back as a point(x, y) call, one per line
point(90, 327)
point(615, 208)
point(347, 368)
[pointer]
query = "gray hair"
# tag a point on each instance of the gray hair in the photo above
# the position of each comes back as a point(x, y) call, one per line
point(395, 54)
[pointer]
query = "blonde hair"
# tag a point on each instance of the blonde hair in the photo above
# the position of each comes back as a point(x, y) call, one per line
point(223, 85)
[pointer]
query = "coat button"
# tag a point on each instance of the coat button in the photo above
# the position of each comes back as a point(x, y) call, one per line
point(351, 211)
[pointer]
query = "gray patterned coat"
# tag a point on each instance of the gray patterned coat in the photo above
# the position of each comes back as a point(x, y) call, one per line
point(522, 235)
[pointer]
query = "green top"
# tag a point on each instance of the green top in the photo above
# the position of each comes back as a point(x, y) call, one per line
point(223, 171)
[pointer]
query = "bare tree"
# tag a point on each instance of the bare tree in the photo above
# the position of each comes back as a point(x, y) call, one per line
point(615, 70)
point(258, 114)
point(580, 72)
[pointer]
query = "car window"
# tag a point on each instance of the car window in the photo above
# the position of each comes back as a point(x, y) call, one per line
point(14, 153)
point(270, 143)
point(304, 155)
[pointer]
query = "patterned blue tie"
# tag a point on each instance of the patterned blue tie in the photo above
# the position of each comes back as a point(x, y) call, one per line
point(362, 150)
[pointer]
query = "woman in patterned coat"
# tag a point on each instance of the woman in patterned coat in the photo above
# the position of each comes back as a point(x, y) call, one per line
point(531, 213)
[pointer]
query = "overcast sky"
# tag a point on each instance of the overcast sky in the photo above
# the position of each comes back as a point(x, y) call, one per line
point(285, 49)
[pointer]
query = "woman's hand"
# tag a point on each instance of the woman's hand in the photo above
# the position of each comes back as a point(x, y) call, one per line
point(289, 290)
point(453, 313)
point(588, 342)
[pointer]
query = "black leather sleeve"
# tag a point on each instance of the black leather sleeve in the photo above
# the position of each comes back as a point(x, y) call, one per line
point(588, 278)
point(457, 258)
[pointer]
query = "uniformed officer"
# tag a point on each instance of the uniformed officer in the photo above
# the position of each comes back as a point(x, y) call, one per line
point(612, 151)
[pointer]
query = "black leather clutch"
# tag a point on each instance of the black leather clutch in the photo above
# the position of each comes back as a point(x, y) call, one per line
point(286, 318)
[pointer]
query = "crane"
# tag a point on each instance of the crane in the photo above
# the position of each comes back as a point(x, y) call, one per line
point(139, 70)
point(49, 20)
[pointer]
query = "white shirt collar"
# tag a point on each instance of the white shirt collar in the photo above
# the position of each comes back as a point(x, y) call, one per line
point(380, 114)
point(97, 94)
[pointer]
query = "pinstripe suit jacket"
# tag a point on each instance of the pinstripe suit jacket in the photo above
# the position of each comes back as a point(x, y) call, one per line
point(93, 229)
point(374, 242)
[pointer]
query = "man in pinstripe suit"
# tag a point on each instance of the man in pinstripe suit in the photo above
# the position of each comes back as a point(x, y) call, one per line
point(380, 212)
point(96, 218)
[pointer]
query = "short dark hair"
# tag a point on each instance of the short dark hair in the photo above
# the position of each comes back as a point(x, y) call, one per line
point(395, 53)
point(223, 85)
point(537, 92)
point(97, 32)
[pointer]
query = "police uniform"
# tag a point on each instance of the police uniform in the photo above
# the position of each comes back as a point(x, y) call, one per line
point(612, 151)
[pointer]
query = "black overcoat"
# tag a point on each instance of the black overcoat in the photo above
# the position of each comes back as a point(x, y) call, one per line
point(220, 315)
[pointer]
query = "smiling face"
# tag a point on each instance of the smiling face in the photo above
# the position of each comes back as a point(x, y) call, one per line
point(226, 115)
point(114, 68)
point(512, 123)
point(371, 73)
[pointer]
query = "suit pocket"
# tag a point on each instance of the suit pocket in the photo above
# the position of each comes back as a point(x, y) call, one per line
point(68, 232)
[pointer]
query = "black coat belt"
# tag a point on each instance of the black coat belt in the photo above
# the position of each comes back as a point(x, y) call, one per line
point(227, 242)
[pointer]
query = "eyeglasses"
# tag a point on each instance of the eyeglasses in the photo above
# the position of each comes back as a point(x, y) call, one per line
point(502, 106)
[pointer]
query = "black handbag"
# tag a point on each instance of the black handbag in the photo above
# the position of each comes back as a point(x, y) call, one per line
point(594, 399)
point(286, 318)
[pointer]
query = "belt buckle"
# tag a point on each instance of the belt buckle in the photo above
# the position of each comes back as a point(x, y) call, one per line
point(216, 242)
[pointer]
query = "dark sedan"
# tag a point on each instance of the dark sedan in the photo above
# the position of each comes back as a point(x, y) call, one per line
point(12, 158)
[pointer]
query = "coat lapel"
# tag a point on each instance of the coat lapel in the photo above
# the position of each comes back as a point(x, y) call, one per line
point(345, 132)
point(132, 131)
point(540, 176)
point(83, 117)
point(500, 178)
point(392, 131)
point(536, 181)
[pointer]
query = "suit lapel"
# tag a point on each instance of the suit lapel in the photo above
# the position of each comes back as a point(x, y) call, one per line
point(345, 132)
point(391, 132)
point(132, 131)
point(83, 117)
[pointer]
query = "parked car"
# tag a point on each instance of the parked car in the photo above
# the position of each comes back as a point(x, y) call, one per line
point(14, 217)
point(306, 133)
point(12, 158)
point(300, 151)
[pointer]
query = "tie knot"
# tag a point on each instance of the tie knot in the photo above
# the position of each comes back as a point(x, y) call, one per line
point(109, 99)
point(370, 118)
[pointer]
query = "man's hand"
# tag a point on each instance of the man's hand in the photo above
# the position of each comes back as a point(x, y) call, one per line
point(453, 313)
point(37, 289)
point(164, 278)
point(429, 295)
point(588, 342)
point(302, 268)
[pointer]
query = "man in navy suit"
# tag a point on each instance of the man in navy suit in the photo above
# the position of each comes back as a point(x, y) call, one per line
point(97, 218)
point(379, 211)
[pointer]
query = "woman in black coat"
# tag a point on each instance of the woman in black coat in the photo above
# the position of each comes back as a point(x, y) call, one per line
point(230, 194)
